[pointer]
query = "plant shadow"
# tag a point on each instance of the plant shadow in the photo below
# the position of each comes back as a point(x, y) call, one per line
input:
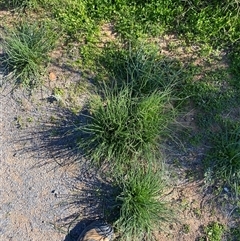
point(4, 71)
point(55, 139)
point(90, 195)
point(94, 198)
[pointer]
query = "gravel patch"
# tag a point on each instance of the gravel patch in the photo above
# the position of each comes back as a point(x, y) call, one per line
point(36, 193)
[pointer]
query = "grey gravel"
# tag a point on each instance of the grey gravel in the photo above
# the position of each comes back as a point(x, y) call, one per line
point(35, 191)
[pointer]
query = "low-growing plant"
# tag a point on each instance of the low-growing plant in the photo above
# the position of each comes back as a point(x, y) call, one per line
point(215, 23)
point(73, 17)
point(235, 233)
point(214, 231)
point(142, 209)
point(26, 51)
point(122, 127)
point(235, 64)
point(223, 162)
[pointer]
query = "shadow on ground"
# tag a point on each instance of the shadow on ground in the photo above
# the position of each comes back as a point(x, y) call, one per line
point(54, 138)
point(77, 229)
point(53, 141)
point(94, 198)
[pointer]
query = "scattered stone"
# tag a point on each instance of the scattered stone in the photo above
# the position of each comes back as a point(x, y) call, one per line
point(52, 76)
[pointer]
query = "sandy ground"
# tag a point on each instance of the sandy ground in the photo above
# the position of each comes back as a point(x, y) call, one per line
point(35, 191)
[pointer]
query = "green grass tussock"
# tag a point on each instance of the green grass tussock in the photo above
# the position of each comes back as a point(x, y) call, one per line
point(142, 210)
point(122, 127)
point(142, 67)
point(26, 51)
point(223, 162)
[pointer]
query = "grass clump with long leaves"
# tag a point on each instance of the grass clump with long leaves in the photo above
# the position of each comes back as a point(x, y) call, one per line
point(142, 66)
point(26, 51)
point(142, 209)
point(122, 127)
point(223, 162)
point(13, 4)
point(235, 64)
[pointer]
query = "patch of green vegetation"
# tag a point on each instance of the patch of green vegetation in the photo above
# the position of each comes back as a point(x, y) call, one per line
point(197, 212)
point(11, 4)
point(58, 92)
point(214, 231)
point(235, 64)
point(142, 209)
point(141, 66)
point(235, 234)
point(26, 48)
point(89, 54)
point(30, 119)
point(122, 127)
point(211, 95)
point(74, 19)
point(186, 228)
point(198, 20)
point(216, 23)
point(195, 138)
point(223, 161)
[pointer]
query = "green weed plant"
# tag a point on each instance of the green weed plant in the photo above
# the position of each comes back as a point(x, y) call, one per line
point(74, 19)
point(214, 231)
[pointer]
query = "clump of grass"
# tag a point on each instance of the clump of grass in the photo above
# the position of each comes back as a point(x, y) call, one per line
point(235, 64)
point(141, 208)
point(26, 48)
point(122, 127)
point(11, 4)
point(147, 70)
point(141, 66)
point(223, 162)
